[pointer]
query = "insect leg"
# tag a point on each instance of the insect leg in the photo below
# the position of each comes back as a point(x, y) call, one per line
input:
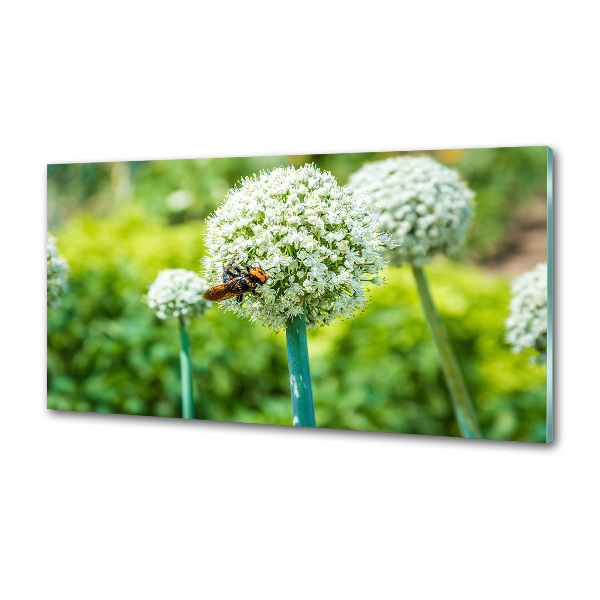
point(229, 273)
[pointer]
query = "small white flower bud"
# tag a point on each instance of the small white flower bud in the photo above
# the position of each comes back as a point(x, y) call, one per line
point(527, 324)
point(177, 293)
point(56, 274)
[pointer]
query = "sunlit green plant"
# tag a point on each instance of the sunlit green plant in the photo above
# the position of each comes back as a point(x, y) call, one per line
point(427, 208)
point(177, 294)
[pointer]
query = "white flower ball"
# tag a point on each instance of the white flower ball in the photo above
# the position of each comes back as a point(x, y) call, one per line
point(318, 242)
point(177, 293)
point(527, 324)
point(56, 273)
point(427, 207)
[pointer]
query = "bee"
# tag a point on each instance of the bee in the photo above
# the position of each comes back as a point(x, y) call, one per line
point(237, 282)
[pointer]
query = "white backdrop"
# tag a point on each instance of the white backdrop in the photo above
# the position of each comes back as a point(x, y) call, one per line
point(98, 507)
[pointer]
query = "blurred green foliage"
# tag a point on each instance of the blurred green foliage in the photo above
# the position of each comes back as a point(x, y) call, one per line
point(107, 352)
point(504, 179)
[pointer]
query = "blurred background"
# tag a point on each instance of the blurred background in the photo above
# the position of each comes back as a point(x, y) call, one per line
point(119, 224)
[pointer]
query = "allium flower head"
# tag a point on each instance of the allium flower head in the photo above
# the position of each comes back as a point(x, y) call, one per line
point(56, 272)
point(427, 207)
point(527, 324)
point(177, 293)
point(319, 243)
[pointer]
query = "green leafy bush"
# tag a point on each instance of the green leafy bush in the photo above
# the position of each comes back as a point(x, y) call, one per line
point(107, 352)
point(385, 370)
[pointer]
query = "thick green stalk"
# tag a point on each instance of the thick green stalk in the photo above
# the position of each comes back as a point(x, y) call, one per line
point(303, 407)
point(461, 401)
point(187, 399)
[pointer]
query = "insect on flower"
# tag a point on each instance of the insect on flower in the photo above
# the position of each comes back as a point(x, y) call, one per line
point(320, 240)
point(237, 282)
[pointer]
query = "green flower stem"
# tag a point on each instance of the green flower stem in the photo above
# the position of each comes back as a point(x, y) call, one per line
point(461, 402)
point(187, 399)
point(303, 407)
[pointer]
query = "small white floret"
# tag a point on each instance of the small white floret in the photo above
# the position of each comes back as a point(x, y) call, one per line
point(56, 274)
point(527, 324)
point(177, 293)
